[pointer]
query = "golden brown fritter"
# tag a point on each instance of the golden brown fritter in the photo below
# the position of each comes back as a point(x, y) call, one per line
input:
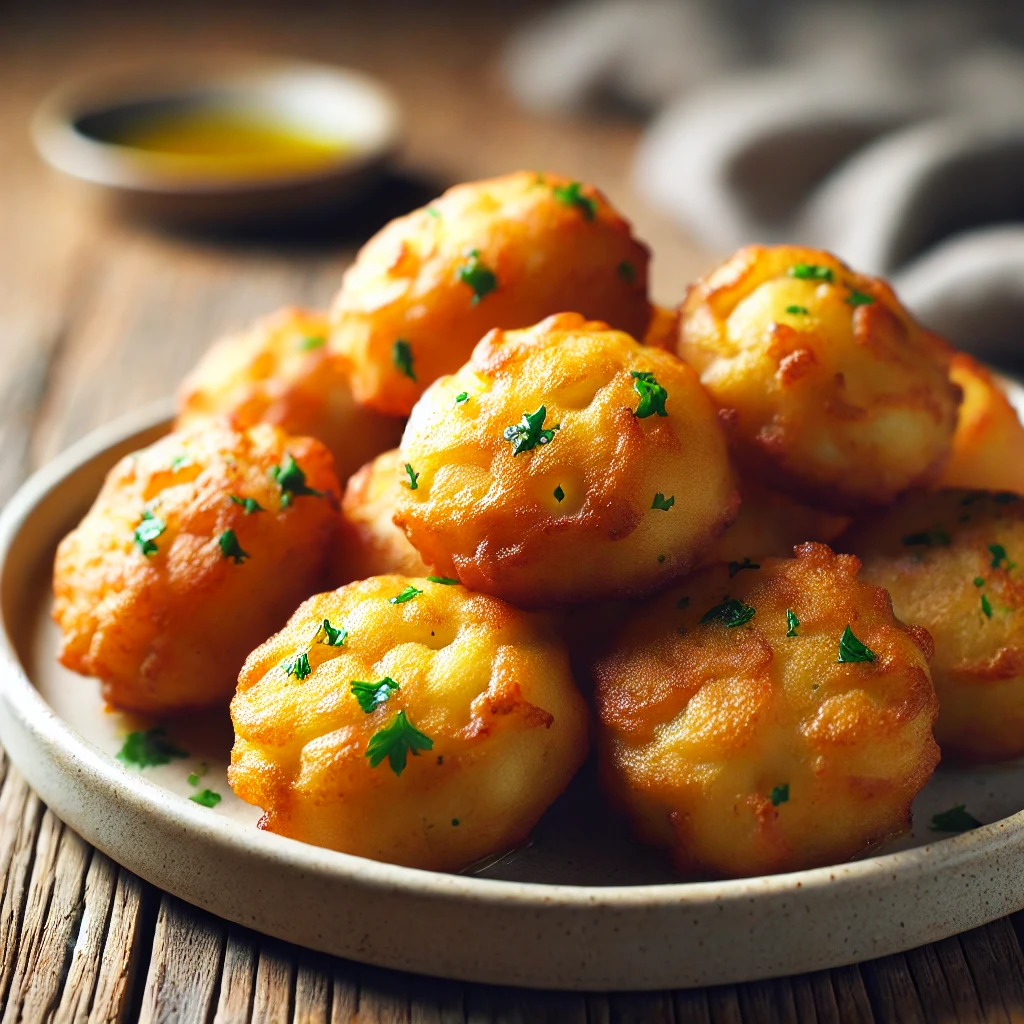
point(988, 446)
point(833, 393)
point(191, 555)
point(370, 543)
point(733, 734)
point(506, 252)
point(950, 561)
point(564, 464)
point(662, 329)
point(280, 370)
point(408, 721)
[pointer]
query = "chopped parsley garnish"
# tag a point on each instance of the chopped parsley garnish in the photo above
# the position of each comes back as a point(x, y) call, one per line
point(180, 460)
point(730, 613)
point(478, 276)
point(999, 556)
point(662, 503)
point(735, 567)
point(230, 548)
point(1005, 497)
point(371, 695)
point(297, 666)
point(979, 581)
point(206, 798)
point(652, 395)
point(334, 636)
point(433, 212)
point(395, 741)
point(798, 310)
point(530, 433)
point(559, 494)
point(455, 822)
point(792, 622)
point(811, 272)
point(626, 271)
point(292, 481)
point(928, 538)
point(780, 794)
point(194, 777)
point(683, 602)
point(147, 532)
point(461, 397)
point(446, 581)
point(406, 595)
point(150, 748)
point(972, 498)
point(572, 195)
point(311, 342)
point(249, 504)
point(413, 477)
point(401, 356)
point(956, 819)
point(851, 649)
point(986, 606)
point(856, 298)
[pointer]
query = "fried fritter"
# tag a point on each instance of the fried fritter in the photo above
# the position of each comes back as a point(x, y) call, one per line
point(662, 329)
point(192, 554)
point(767, 719)
point(988, 446)
point(506, 252)
point(565, 463)
point(950, 561)
point(280, 370)
point(370, 543)
point(833, 393)
point(409, 721)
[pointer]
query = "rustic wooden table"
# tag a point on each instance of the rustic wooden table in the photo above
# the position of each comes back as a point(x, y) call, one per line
point(98, 317)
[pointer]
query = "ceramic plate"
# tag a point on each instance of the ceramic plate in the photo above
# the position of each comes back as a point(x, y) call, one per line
point(580, 907)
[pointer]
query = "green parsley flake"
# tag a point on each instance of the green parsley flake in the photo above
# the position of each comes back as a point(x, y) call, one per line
point(179, 461)
point(149, 749)
point(798, 310)
point(1006, 497)
point(683, 602)
point(792, 622)
point(652, 395)
point(406, 595)
point(928, 538)
point(401, 356)
point(311, 342)
point(433, 211)
point(461, 397)
point(851, 649)
point(292, 481)
point(478, 276)
point(979, 581)
point(780, 794)
point(856, 298)
point(559, 494)
point(811, 272)
point(413, 478)
point(662, 503)
point(297, 666)
point(735, 567)
point(206, 798)
point(372, 695)
point(194, 777)
point(334, 636)
point(147, 532)
point(530, 433)
point(730, 613)
point(249, 504)
point(445, 581)
point(999, 556)
point(455, 822)
point(395, 741)
point(572, 195)
point(986, 606)
point(230, 548)
point(626, 271)
point(956, 819)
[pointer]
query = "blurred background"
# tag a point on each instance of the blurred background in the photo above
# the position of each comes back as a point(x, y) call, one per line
point(892, 133)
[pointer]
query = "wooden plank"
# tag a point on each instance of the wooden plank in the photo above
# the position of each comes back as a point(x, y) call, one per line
point(238, 977)
point(185, 965)
point(890, 987)
point(943, 981)
point(273, 999)
point(383, 997)
point(764, 1001)
point(823, 994)
point(344, 992)
point(312, 990)
point(852, 1003)
point(996, 963)
point(724, 1004)
point(691, 1006)
point(436, 1001)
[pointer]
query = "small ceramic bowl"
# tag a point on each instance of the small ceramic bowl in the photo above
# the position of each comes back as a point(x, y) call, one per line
point(333, 128)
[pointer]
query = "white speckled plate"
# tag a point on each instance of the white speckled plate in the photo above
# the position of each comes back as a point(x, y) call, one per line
point(581, 907)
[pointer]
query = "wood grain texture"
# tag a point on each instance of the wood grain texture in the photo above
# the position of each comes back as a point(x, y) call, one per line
point(98, 317)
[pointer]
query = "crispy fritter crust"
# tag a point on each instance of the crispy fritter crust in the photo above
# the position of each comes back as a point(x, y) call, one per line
point(571, 520)
point(940, 556)
point(832, 392)
point(488, 684)
point(168, 631)
point(703, 723)
point(280, 370)
point(547, 254)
